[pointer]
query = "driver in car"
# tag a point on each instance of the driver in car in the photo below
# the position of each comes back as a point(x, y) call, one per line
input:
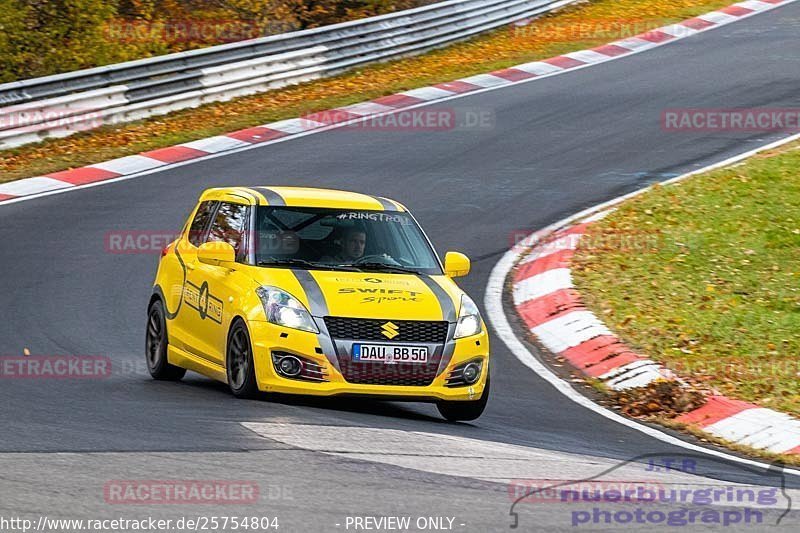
point(351, 247)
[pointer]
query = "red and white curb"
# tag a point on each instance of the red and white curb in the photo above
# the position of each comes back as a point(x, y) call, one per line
point(552, 310)
point(275, 131)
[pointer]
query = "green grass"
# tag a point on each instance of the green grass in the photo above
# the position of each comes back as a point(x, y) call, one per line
point(704, 276)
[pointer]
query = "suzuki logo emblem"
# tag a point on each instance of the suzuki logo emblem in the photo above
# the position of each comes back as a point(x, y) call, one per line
point(390, 331)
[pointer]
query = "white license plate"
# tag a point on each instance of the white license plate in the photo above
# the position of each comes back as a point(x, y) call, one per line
point(389, 353)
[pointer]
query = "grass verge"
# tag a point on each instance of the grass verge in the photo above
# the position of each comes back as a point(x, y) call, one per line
point(704, 276)
point(577, 27)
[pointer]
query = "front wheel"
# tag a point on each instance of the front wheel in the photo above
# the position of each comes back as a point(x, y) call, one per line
point(239, 363)
point(156, 346)
point(455, 411)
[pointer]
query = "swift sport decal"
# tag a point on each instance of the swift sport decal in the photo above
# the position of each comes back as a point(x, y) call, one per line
point(388, 299)
point(378, 295)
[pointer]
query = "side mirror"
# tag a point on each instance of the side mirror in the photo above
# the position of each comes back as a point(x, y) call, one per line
point(456, 264)
point(216, 253)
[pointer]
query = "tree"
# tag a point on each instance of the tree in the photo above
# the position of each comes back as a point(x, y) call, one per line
point(12, 44)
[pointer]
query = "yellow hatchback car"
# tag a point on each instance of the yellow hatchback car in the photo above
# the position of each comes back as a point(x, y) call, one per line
point(313, 291)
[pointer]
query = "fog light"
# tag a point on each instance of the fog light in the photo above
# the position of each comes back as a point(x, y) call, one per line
point(290, 366)
point(471, 373)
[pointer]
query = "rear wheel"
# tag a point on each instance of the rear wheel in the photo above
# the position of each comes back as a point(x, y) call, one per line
point(239, 363)
point(156, 346)
point(455, 411)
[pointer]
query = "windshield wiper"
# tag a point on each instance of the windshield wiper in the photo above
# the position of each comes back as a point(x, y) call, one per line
point(384, 267)
point(304, 264)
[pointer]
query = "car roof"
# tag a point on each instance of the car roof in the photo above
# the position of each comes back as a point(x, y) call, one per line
point(302, 197)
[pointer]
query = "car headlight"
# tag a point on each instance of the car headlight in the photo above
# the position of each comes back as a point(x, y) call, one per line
point(285, 310)
point(469, 319)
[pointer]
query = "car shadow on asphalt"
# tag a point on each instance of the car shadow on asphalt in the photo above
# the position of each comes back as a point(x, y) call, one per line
point(357, 405)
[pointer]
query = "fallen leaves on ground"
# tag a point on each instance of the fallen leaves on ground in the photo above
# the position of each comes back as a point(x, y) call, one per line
point(658, 399)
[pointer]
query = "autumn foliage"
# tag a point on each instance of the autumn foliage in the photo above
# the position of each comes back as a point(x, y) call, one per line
point(42, 37)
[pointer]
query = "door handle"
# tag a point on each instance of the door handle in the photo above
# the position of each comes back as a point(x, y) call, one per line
point(190, 266)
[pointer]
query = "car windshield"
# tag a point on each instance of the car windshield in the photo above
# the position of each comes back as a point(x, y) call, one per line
point(365, 241)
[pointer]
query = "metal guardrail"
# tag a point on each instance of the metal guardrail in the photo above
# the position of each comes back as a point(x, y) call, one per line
point(60, 105)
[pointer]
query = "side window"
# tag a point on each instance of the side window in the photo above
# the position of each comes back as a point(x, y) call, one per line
point(229, 226)
point(200, 222)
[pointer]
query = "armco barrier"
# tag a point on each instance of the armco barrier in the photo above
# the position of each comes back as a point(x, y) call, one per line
point(57, 106)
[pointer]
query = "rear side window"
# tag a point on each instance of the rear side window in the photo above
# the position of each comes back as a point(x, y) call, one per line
point(229, 226)
point(200, 222)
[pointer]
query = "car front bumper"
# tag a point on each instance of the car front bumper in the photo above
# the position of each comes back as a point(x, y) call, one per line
point(268, 338)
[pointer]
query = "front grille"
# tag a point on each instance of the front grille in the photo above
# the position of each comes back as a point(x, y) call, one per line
point(409, 374)
point(379, 373)
point(434, 332)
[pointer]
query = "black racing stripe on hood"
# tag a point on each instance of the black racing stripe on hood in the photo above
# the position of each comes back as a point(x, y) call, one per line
point(319, 308)
point(445, 302)
point(316, 298)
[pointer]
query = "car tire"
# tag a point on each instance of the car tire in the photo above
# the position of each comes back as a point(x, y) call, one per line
point(156, 343)
point(239, 362)
point(455, 411)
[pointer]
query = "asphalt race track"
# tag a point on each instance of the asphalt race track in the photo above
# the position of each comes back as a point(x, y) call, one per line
point(554, 147)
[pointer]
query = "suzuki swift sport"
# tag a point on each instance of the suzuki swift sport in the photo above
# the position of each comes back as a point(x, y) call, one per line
point(322, 292)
